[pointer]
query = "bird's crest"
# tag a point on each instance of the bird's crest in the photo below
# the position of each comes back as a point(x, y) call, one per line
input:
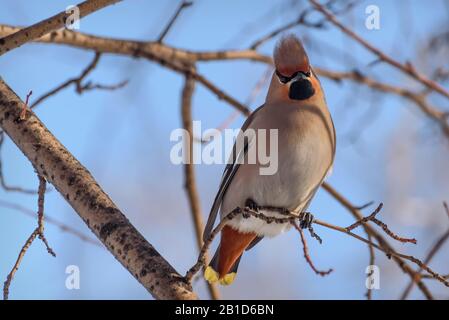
point(290, 56)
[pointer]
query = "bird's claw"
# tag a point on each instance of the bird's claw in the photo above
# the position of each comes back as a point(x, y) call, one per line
point(251, 204)
point(306, 220)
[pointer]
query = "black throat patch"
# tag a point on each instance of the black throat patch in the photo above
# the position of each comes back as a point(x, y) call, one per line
point(301, 89)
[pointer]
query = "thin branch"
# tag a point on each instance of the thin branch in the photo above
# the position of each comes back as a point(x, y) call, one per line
point(372, 218)
point(389, 254)
point(435, 248)
point(189, 173)
point(428, 276)
point(407, 68)
point(77, 81)
point(40, 214)
point(307, 255)
point(24, 110)
point(53, 23)
point(38, 232)
point(418, 262)
point(301, 20)
point(184, 4)
point(379, 238)
point(364, 206)
point(418, 99)
point(12, 273)
point(291, 218)
point(188, 70)
point(372, 257)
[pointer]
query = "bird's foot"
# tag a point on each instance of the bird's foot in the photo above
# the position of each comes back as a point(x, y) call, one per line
point(306, 220)
point(251, 204)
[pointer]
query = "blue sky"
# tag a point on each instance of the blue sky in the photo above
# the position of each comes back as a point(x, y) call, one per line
point(122, 137)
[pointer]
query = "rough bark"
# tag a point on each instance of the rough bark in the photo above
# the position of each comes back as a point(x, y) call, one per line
point(74, 182)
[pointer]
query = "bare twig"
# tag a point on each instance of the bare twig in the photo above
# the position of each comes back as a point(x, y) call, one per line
point(364, 206)
point(188, 70)
point(407, 68)
point(53, 23)
point(290, 218)
point(77, 81)
point(189, 173)
point(389, 254)
point(369, 290)
point(38, 232)
point(428, 276)
point(25, 106)
point(379, 238)
point(183, 5)
point(372, 218)
point(435, 248)
point(418, 99)
point(40, 214)
point(11, 274)
point(301, 20)
point(307, 255)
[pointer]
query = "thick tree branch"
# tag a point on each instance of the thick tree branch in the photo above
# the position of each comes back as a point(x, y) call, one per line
point(55, 22)
point(54, 162)
point(138, 49)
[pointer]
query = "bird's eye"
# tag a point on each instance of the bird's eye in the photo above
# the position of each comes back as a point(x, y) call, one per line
point(282, 78)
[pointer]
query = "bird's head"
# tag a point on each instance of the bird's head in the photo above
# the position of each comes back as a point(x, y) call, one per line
point(293, 79)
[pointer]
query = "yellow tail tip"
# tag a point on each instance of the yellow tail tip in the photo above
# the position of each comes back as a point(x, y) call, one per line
point(228, 279)
point(212, 276)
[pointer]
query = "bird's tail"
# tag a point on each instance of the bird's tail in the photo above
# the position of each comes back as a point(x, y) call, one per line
point(223, 266)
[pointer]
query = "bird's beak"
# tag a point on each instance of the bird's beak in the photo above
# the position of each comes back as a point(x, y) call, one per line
point(299, 76)
point(300, 87)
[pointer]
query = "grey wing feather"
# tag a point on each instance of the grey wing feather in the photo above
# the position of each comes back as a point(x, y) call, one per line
point(229, 172)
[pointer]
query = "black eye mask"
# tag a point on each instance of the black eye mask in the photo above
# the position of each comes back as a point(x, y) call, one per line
point(285, 79)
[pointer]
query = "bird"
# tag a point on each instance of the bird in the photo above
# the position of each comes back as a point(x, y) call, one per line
point(295, 106)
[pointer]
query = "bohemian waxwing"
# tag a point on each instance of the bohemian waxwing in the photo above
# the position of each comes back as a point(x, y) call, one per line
point(296, 107)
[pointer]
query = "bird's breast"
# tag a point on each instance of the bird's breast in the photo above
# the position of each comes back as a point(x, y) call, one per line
point(303, 155)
